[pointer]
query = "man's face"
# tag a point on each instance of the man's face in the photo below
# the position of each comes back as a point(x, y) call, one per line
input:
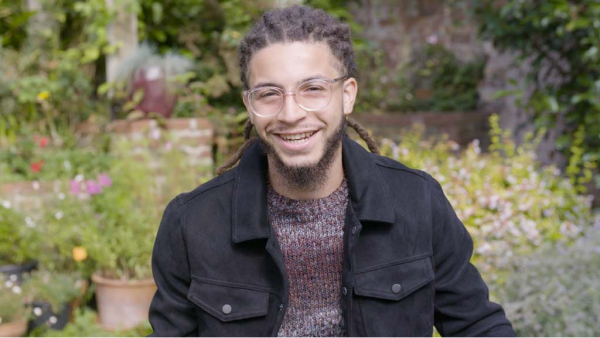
point(285, 66)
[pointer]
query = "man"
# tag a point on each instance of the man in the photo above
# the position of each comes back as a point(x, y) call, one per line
point(310, 234)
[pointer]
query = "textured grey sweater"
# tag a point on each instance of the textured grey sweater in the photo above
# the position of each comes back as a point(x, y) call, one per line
point(310, 234)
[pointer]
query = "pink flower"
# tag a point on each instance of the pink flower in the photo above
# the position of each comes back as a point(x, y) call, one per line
point(104, 180)
point(168, 146)
point(93, 187)
point(74, 187)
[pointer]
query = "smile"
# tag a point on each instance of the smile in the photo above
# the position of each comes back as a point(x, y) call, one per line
point(297, 138)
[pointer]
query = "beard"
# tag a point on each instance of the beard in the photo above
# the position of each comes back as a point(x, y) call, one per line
point(308, 177)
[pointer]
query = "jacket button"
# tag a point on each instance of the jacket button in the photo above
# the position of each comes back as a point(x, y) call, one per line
point(226, 309)
point(281, 307)
point(344, 291)
point(396, 288)
point(354, 230)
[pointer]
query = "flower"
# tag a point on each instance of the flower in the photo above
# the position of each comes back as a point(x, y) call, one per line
point(43, 142)
point(168, 146)
point(93, 187)
point(36, 167)
point(432, 39)
point(74, 187)
point(79, 253)
point(59, 215)
point(44, 95)
point(6, 204)
point(104, 180)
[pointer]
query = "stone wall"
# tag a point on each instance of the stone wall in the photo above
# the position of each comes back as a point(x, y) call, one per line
point(400, 27)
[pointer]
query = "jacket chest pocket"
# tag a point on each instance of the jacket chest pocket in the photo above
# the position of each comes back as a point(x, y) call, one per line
point(231, 309)
point(396, 299)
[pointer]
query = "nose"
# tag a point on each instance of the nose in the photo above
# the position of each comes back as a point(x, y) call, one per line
point(291, 112)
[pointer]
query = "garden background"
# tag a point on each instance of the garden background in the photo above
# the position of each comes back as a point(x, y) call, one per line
point(110, 108)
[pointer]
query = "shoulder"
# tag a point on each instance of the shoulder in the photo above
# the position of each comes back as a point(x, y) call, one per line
point(216, 185)
point(393, 167)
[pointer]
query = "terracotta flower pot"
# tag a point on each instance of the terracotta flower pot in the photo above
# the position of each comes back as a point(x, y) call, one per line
point(13, 329)
point(123, 304)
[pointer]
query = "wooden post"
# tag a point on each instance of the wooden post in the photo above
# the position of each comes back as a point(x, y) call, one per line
point(122, 31)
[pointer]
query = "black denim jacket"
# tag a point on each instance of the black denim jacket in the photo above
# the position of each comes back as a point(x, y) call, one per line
point(220, 271)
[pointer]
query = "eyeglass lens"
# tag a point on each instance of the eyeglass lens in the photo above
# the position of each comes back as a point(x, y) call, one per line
point(313, 95)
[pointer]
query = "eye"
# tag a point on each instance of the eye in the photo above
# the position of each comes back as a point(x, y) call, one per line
point(267, 94)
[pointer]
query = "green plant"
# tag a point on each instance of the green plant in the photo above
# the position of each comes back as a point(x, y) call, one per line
point(19, 240)
point(555, 291)
point(558, 41)
point(85, 325)
point(509, 203)
point(435, 80)
point(12, 303)
point(57, 289)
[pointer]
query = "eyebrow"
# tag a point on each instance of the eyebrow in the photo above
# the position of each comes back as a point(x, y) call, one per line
point(273, 84)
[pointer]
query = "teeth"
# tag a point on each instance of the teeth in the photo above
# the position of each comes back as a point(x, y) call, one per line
point(296, 137)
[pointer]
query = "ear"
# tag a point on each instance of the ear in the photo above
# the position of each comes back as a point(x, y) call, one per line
point(250, 115)
point(349, 92)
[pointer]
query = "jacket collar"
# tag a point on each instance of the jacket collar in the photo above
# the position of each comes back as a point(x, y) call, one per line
point(367, 191)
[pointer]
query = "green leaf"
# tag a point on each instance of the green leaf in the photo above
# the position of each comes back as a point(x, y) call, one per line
point(157, 12)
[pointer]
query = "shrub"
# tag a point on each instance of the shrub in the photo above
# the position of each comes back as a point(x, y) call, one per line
point(19, 241)
point(509, 203)
point(556, 290)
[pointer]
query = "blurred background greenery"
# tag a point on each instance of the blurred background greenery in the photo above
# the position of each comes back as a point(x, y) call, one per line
point(82, 198)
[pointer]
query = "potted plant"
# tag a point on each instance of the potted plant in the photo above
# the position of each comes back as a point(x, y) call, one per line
point(19, 243)
point(52, 296)
point(13, 313)
point(121, 243)
point(149, 81)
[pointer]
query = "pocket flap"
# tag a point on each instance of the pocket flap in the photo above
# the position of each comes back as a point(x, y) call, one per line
point(396, 280)
point(228, 301)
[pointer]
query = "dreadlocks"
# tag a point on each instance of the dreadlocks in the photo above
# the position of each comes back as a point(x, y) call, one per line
point(292, 24)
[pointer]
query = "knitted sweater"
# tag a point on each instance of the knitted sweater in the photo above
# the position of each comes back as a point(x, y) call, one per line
point(310, 235)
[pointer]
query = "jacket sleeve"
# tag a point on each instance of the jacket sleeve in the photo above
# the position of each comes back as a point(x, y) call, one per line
point(462, 306)
point(171, 313)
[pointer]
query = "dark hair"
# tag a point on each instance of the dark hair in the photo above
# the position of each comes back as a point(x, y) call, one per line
point(299, 23)
point(292, 24)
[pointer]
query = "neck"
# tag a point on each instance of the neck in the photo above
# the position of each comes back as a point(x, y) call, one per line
point(335, 175)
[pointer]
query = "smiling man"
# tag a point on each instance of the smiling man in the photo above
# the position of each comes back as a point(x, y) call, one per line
point(311, 234)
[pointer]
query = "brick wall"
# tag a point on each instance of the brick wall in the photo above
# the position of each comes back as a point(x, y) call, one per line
point(193, 137)
point(461, 127)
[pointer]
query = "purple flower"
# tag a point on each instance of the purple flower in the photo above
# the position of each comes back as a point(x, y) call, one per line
point(93, 187)
point(74, 187)
point(104, 180)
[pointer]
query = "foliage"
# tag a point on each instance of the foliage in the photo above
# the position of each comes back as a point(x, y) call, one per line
point(559, 42)
point(85, 324)
point(556, 290)
point(48, 79)
point(437, 81)
point(36, 159)
point(507, 201)
point(58, 289)
point(19, 242)
point(12, 303)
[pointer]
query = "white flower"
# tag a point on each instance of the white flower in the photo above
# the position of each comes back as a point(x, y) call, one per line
point(16, 289)
point(61, 196)
point(155, 134)
point(53, 320)
point(6, 204)
point(30, 222)
point(432, 39)
point(79, 178)
point(36, 185)
point(37, 311)
point(67, 165)
point(8, 284)
point(13, 277)
point(59, 215)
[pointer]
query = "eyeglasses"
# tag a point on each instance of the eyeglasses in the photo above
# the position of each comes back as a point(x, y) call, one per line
point(311, 95)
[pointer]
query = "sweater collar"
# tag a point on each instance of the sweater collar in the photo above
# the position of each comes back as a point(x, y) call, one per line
point(367, 191)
